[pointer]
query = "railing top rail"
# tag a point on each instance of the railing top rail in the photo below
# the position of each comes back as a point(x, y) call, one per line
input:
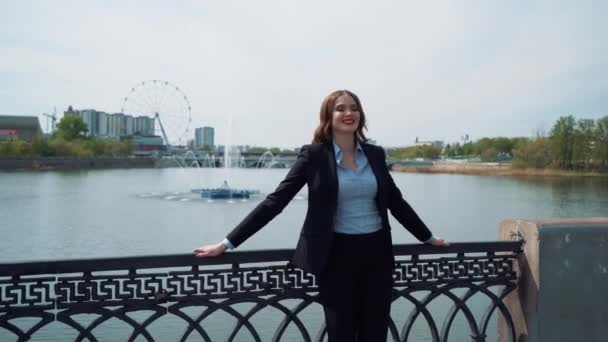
point(239, 257)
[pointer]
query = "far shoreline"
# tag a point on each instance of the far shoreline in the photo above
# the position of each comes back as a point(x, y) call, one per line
point(493, 169)
point(73, 163)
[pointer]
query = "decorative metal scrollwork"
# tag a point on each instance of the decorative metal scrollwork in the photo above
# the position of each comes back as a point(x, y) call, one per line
point(239, 287)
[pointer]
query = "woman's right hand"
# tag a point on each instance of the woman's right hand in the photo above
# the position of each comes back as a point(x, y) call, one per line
point(210, 250)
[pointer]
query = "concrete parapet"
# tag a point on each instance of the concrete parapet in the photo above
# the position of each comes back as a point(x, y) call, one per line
point(562, 292)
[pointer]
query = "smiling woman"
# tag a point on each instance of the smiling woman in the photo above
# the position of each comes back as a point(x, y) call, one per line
point(334, 117)
point(346, 237)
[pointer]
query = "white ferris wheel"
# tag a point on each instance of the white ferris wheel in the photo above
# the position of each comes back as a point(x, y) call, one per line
point(167, 104)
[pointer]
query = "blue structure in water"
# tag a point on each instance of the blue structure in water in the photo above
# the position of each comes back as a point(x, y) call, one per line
point(225, 192)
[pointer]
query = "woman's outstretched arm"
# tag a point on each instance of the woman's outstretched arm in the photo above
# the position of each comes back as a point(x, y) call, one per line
point(270, 207)
point(405, 214)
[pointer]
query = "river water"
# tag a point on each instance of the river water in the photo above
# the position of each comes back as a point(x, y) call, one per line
point(124, 212)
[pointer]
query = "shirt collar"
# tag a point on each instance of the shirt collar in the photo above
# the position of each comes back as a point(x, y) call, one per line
point(338, 152)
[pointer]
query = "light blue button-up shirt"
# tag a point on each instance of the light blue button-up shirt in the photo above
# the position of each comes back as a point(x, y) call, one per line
point(357, 212)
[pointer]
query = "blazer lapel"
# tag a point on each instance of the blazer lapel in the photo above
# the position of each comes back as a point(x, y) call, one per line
point(333, 173)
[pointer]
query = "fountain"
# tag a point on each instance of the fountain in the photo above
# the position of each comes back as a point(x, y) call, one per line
point(268, 160)
point(265, 160)
point(208, 160)
point(188, 159)
point(232, 158)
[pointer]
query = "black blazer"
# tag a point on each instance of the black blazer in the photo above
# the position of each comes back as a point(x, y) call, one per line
point(316, 166)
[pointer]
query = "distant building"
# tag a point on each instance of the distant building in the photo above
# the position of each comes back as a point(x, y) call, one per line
point(144, 125)
point(91, 118)
point(233, 148)
point(103, 119)
point(204, 136)
point(198, 137)
point(71, 112)
point(434, 143)
point(102, 124)
point(145, 145)
point(115, 125)
point(15, 127)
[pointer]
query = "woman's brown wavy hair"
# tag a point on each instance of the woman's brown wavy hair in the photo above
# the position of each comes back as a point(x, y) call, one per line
point(323, 133)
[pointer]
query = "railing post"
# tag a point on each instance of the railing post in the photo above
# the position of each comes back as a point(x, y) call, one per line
point(562, 280)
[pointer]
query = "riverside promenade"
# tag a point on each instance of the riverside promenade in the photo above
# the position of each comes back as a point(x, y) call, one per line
point(544, 281)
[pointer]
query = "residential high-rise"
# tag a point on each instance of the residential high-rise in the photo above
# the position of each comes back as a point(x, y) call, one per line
point(118, 125)
point(89, 116)
point(204, 136)
point(144, 125)
point(113, 125)
point(129, 125)
point(208, 136)
point(102, 121)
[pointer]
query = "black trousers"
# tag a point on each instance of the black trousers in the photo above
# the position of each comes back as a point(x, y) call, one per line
point(356, 287)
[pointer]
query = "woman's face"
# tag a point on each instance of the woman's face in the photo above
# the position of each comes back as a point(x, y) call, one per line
point(345, 116)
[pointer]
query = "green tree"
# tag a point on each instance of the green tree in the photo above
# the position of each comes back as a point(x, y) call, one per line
point(206, 148)
point(562, 141)
point(260, 149)
point(71, 127)
point(583, 142)
point(63, 147)
point(479, 147)
point(468, 149)
point(8, 149)
point(532, 153)
point(489, 155)
point(257, 149)
point(97, 147)
point(424, 151)
point(118, 149)
point(502, 144)
point(41, 147)
point(455, 150)
point(24, 148)
point(600, 148)
point(124, 149)
point(519, 141)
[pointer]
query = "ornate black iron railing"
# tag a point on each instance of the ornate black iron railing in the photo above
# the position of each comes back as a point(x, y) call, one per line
point(258, 295)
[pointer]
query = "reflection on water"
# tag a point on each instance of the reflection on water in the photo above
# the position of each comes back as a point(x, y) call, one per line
point(572, 196)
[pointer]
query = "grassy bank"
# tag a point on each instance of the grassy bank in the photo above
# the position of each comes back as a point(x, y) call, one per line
point(491, 169)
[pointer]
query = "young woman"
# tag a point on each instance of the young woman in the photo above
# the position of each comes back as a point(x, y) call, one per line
point(345, 239)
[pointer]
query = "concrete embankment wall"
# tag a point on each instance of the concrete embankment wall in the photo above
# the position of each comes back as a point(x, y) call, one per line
point(56, 163)
point(562, 280)
point(459, 168)
point(488, 169)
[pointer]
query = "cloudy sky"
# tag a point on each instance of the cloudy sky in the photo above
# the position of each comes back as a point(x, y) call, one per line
point(432, 69)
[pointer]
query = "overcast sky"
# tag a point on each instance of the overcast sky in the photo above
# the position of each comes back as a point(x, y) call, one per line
point(432, 69)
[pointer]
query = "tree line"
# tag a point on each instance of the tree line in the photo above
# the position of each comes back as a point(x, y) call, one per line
point(68, 140)
point(572, 144)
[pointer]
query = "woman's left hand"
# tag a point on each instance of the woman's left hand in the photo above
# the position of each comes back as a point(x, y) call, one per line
point(439, 242)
